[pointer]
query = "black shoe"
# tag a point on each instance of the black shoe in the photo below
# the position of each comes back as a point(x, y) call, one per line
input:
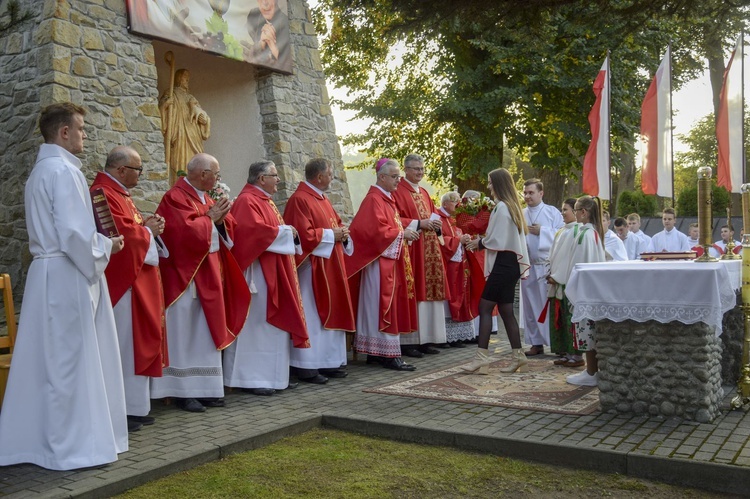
point(457, 344)
point(212, 402)
point(144, 420)
point(398, 364)
point(190, 405)
point(428, 349)
point(316, 380)
point(291, 386)
point(412, 352)
point(374, 359)
point(266, 392)
point(133, 426)
point(493, 332)
point(334, 373)
point(443, 345)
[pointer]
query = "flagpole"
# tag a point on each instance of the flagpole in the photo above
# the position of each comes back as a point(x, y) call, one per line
point(671, 117)
point(609, 129)
point(742, 104)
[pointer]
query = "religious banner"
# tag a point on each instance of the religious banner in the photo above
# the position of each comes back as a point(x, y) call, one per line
point(254, 31)
point(657, 175)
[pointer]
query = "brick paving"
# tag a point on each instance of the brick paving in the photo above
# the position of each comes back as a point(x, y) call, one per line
point(714, 456)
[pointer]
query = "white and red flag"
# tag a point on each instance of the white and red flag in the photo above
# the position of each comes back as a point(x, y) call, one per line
point(596, 172)
point(656, 132)
point(730, 173)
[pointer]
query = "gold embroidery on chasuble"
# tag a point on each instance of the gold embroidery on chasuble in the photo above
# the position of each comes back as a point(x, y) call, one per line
point(433, 260)
point(407, 261)
point(134, 211)
point(280, 219)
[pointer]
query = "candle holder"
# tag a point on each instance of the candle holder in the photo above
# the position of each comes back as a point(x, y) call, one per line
point(729, 253)
point(704, 213)
point(743, 382)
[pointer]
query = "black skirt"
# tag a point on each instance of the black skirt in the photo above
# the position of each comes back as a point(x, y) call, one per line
point(501, 283)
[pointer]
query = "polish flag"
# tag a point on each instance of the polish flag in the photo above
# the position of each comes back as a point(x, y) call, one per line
point(596, 162)
point(656, 132)
point(729, 127)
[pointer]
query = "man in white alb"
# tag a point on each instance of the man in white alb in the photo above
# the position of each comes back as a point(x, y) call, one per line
point(644, 241)
point(670, 239)
point(629, 240)
point(543, 221)
point(613, 245)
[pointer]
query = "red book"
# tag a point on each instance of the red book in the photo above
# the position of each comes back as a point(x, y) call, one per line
point(105, 224)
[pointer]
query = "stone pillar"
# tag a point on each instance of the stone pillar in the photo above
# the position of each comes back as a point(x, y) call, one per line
point(659, 369)
point(296, 115)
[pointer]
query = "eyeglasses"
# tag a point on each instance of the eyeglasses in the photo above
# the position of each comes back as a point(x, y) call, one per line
point(216, 174)
point(394, 176)
point(270, 175)
point(416, 168)
point(139, 169)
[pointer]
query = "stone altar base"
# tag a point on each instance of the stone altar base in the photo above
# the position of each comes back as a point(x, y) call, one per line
point(659, 369)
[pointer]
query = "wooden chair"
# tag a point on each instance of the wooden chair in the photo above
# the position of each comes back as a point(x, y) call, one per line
point(7, 341)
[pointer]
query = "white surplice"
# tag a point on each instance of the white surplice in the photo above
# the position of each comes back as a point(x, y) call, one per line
point(673, 241)
point(64, 407)
point(615, 247)
point(259, 358)
point(534, 289)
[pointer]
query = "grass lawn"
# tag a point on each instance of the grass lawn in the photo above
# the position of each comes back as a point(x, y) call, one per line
point(333, 464)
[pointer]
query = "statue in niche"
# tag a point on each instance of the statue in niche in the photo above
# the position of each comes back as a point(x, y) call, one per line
point(184, 124)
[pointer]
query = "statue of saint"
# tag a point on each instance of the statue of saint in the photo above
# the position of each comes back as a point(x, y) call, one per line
point(184, 124)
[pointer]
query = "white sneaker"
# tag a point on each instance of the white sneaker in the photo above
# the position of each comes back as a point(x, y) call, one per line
point(583, 378)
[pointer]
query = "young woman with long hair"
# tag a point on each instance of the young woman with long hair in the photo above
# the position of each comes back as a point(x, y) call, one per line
point(506, 261)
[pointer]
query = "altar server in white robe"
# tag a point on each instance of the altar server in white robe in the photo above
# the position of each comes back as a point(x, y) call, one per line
point(265, 247)
point(543, 222)
point(670, 239)
point(613, 245)
point(64, 407)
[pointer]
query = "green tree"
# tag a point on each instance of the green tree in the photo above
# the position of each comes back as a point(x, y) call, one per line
point(636, 202)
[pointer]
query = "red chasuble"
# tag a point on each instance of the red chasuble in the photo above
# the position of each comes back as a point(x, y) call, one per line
point(429, 273)
point(375, 226)
point(310, 213)
point(258, 226)
point(221, 287)
point(466, 280)
point(126, 270)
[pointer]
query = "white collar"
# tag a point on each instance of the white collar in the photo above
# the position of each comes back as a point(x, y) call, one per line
point(318, 191)
point(118, 182)
point(52, 150)
point(384, 191)
point(201, 194)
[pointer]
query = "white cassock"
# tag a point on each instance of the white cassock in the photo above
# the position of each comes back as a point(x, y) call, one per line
point(644, 242)
point(615, 247)
point(712, 251)
point(327, 346)
point(194, 369)
point(137, 388)
point(673, 241)
point(259, 357)
point(369, 338)
point(64, 406)
point(632, 245)
point(534, 288)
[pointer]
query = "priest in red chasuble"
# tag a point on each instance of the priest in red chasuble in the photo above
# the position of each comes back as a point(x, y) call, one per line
point(206, 296)
point(134, 284)
point(322, 276)
point(417, 213)
point(265, 247)
point(380, 276)
point(464, 273)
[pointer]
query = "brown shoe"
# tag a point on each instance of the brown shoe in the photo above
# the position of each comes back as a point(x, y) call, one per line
point(561, 362)
point(535, 350)
point(575, 363)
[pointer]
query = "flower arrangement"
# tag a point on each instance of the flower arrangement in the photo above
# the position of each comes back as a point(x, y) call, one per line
point(220, 191)
point(473, 215)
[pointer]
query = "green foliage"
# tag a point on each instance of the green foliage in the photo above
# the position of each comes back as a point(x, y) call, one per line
point(15, 16)
point(687, 200)
point(219, 28)
point(637, 202)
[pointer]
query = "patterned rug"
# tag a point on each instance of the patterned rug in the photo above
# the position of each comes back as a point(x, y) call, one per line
point(541, 388)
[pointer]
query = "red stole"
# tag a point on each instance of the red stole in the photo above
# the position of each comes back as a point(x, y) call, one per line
point(221, 287)
point(375, 226)
point(310, 213)
point(258, 228)
point(466, 281)
point(429, 271)
point(126, 270)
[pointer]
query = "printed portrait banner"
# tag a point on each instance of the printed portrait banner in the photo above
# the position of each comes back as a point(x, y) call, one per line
point(254, 31)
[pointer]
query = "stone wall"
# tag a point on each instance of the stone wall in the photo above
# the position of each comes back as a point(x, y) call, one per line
point(659, 369)
point(80, 50)
point(296, 115)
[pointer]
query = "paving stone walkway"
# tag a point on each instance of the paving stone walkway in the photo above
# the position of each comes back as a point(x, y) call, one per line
point(714, 456)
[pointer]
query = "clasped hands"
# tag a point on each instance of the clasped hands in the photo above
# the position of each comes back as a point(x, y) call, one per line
point(427, 224)
point(341, 233)
point(156, 224)
point(219, 210)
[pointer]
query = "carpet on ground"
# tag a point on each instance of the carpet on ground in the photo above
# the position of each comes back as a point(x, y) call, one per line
point(541, 388)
